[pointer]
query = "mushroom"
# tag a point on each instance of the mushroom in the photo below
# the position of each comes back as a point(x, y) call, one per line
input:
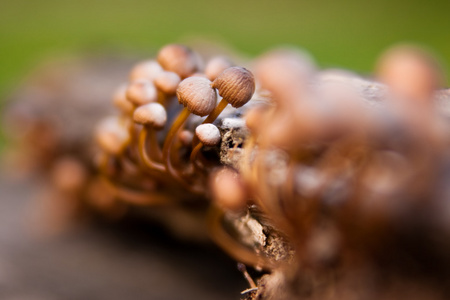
point(208, 135)
point(120, 100)
point(149, 70)
point(197, 97)
point(236, 85)
point(412, 73)
point(167, 82)
point(178, 59)
point(112, 135)
point(216, 66)
point(141, 91)
point(185, 137)
point(153, 117)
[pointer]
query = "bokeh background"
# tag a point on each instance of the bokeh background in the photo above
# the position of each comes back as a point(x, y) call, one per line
point(348, 34)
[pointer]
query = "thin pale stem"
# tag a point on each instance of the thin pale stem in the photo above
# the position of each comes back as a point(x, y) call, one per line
point(195, 152)
point(127, 194)
point(170, 138)
point(148, 162)
point(135, 197)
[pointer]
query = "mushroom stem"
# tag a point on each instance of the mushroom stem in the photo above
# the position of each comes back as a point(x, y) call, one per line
point(216, 112)
point(153, 145)
point(176, 126)
point(135, 197)
point(162, 98)
point(195, 152)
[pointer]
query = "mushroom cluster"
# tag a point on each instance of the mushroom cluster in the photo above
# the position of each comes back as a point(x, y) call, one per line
point(336, 174)
point(329, 185)
point(166, 126)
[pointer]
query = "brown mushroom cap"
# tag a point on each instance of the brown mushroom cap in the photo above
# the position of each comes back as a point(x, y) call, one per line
point(285, 73)
point(216, 66)
point(228, 190)
point(152, 114)
point(141, 91)
point(120, 99)
point(236, 85)
point(208, 134)
point(179, 59)
point(149, 70)
point(410, 71)
point(197, 95)
point(112, 135)
point(167, 82)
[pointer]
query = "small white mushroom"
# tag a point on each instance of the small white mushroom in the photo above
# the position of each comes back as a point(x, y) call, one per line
point(151, 114)
point(208, 134)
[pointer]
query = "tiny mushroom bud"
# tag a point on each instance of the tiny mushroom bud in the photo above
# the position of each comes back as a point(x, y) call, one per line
point(112, 135)
point(178, 59)
point(149, 70)
point(216, 66)
point(120, 100)
point(151, 114)
point(167, 82)
point(228, 190)
point(185, 137)
point(141, 91)
point(254, 118)
point(208, 134)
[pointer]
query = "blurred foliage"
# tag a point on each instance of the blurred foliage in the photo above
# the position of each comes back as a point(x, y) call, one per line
point(347, 34)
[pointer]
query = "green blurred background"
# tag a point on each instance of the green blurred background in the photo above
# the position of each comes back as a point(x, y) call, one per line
point(347, 34)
